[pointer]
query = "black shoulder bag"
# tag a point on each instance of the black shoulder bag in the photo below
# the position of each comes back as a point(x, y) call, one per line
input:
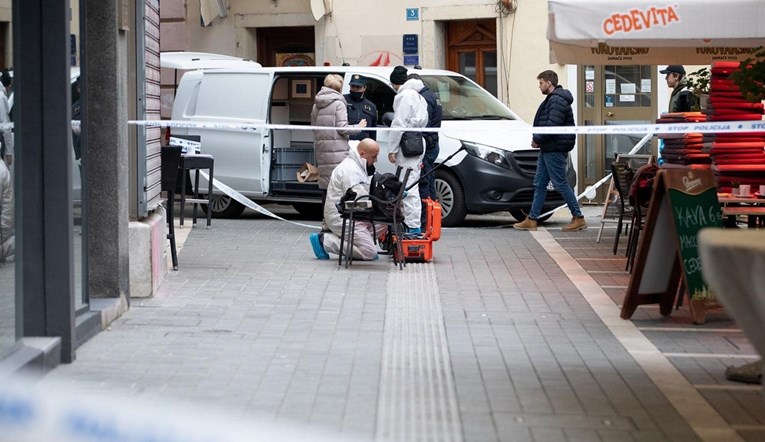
point(411, 144)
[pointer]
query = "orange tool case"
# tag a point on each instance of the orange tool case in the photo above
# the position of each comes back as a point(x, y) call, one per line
point(421, 249)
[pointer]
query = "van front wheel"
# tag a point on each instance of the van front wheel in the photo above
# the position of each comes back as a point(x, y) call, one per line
point(451, 196)
point(224, 207)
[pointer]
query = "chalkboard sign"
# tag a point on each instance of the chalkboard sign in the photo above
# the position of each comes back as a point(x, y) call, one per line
point(683, 202)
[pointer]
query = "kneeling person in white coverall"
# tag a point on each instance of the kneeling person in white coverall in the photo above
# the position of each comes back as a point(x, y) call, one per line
point(352, 173)
point(410, 110)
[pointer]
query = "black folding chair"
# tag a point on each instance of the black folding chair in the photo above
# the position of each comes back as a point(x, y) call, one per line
point(622, 176)
point(171, 159)
point(394, 222)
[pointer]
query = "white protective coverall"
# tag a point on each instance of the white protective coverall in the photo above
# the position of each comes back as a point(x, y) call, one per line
point(5, 109)
point(409, 110)
point(7, 219)
point(351, 173)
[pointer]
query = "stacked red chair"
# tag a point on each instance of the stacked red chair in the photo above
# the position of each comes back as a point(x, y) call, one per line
point(683, 149)
point(737, 158)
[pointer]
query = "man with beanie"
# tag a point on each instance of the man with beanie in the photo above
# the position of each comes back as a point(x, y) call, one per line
point(410, 110)
point(682, 98)
point(555, 110)
point(359, 108)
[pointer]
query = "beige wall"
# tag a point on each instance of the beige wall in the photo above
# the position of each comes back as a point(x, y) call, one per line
point(344, 37)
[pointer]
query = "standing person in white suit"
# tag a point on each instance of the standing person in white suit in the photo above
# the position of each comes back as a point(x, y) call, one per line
point(410, 110)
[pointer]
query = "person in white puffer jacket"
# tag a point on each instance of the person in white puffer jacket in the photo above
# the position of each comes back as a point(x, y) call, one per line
point(352, 173)
point(410, 110)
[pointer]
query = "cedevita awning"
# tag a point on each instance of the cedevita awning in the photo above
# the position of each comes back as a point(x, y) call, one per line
point(651, 32)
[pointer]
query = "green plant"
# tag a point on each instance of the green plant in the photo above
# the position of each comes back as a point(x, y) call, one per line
point(699, 81)
point(751, 77)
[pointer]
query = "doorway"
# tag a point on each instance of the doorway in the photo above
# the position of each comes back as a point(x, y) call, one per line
point(472, 51)
point(286, 46)
point(613, 95)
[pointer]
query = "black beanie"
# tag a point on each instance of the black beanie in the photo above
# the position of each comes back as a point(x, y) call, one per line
point(398, 76)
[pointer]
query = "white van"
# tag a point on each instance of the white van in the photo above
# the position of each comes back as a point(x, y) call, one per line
point(493, 173)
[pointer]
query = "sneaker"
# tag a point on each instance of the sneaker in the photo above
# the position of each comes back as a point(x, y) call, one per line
point(577, 223)
point(526, 224)
point(318, 247)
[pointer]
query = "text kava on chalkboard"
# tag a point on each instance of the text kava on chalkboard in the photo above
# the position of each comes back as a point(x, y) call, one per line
point(690, 216)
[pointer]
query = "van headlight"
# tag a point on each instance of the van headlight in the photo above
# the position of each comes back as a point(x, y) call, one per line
point(487, 153)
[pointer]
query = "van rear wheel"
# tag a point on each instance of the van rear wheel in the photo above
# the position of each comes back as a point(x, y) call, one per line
point(310, 211)
point(224, 207)
point(451, 196)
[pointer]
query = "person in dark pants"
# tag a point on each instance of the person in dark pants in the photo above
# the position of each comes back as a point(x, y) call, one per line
point(360, 108)
point(555, 110)
point(435, 113)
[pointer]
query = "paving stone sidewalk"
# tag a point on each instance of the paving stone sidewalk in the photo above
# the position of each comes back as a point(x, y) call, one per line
point(509, 349)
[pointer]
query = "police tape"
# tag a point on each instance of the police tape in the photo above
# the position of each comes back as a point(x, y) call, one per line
point(32, 411)
point(648, 129)
point(243, 200)
point(668, 128)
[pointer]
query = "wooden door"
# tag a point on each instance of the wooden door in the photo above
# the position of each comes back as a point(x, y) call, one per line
point(472, 51)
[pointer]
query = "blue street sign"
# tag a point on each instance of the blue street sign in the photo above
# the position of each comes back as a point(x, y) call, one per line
point(411, 44)
point(411, 60)
point(412, 14)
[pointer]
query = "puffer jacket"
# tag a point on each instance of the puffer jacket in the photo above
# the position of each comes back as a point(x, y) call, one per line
point(555, 111)
point(330, 145)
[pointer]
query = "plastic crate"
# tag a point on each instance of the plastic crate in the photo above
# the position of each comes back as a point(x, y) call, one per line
point(285, 172)
point(293, 155)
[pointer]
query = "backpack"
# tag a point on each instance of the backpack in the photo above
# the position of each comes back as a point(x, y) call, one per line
point(384, 188)
point(642, 184)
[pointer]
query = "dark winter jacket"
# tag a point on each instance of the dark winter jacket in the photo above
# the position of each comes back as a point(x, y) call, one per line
point(435, 111)
point(555, 111)
point(682, 98)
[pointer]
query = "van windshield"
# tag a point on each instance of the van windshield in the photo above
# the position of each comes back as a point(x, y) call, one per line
point(464, 100)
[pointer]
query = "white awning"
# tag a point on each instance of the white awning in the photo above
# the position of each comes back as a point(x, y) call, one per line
point(203, 60)
point(651, 32)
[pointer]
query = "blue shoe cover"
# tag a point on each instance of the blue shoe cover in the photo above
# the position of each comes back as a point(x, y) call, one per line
point(318, 248)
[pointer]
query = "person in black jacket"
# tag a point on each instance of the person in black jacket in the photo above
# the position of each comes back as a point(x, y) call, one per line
point(435, 114)
point(553, 156)
point(360, 108)
point(682, 98)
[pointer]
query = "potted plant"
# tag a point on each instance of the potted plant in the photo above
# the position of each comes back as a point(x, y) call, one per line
point(751, 78)
point(698, 82)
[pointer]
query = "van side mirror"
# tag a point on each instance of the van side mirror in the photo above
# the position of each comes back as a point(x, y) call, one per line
point(387, 119)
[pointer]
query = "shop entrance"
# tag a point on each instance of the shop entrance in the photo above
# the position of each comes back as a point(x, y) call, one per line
point(613, 95)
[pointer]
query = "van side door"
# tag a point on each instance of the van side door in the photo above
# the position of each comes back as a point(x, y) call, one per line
point(242, 155)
